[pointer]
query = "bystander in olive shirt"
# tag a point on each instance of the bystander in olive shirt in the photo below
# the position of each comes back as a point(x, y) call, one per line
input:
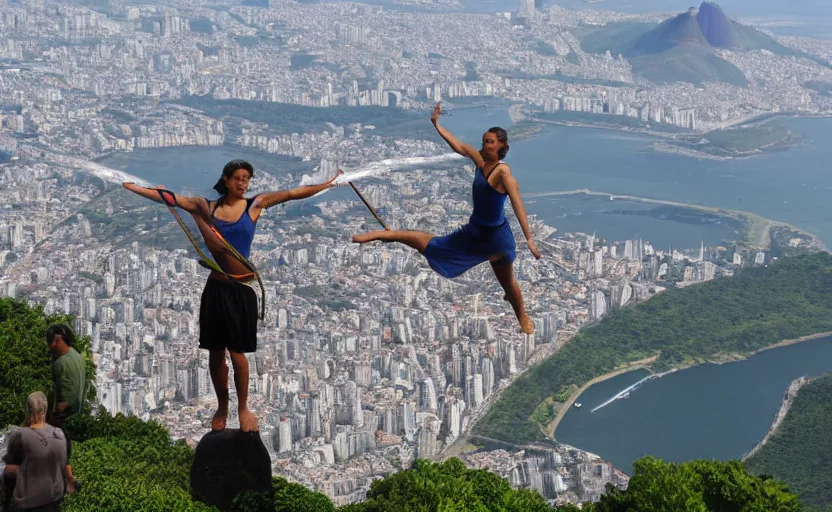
point(69, 375)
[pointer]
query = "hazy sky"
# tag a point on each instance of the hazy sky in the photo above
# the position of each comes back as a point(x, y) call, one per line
point(815, 8)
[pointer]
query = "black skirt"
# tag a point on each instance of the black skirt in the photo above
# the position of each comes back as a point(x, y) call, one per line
point(228, 317)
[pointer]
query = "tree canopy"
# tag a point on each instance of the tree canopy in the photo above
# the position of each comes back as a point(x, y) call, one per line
point(698, 486)
point(447, 487)
point(25, 363)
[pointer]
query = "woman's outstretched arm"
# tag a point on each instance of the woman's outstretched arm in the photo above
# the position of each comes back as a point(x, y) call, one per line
point(513, 191)
point(270, 199)
point(459, 147)
point(193, 205)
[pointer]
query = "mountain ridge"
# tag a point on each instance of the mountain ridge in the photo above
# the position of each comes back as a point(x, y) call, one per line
point(683, 48)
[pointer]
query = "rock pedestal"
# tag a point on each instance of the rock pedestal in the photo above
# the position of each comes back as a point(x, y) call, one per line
point(227, 463)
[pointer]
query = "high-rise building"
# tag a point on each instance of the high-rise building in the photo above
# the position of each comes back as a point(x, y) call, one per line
point(427, 395)
point(527, 10)
point(284, 435)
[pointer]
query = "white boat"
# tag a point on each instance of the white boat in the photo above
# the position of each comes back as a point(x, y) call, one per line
point(577, 405)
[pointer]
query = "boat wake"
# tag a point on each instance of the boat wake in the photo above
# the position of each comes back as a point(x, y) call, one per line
point(624, 393)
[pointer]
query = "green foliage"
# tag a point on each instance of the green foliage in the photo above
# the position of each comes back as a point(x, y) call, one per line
point(471, 74)
point(97, 279)
point(304, 61)
point(201, 25)
point(25, 363)
point(447, 487)
point(83, 427)
point(292, 497)
point(615, 37)
point(593, 118)
point(698, 486)
point(128, 464)
point(748, 139)
point(119, 115)
point(691, 64)
point(756, 308)
point(800, 452)
point(309, 292)
point(545, 413)
point(545, 49)
point(308, 229)
point(286, 118)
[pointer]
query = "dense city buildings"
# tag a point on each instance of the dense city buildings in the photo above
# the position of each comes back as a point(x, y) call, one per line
point(367, 359)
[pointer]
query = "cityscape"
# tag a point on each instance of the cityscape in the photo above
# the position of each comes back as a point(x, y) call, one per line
point(366, 358)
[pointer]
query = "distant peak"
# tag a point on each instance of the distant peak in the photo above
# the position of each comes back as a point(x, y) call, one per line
point(710, 6)
point(715, 25)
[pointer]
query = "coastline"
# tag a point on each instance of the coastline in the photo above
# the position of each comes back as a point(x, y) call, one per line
point(758, 236)
point(786, 343)
point(551, 429)
point(785, 407)
point(669, 144)
point(673, 147)
point(602, 126)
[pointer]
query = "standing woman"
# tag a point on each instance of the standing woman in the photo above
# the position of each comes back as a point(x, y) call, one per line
point(37, 460)
point(228, 308)
point(487, 236)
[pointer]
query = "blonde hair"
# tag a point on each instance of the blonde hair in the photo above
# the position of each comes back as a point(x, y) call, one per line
point(36, 405)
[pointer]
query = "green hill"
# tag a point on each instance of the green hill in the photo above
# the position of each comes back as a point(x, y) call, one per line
point(616, 37)
point(800, 452)
point(723, 318)
point(695, 65)
point(677, 51)
point(670, 34)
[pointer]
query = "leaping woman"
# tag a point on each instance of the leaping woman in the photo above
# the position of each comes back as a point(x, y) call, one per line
point(487, 236)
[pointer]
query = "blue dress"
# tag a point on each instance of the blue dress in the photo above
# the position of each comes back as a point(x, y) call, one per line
point(487, 234)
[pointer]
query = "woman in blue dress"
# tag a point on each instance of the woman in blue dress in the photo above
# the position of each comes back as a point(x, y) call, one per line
point(487, 236)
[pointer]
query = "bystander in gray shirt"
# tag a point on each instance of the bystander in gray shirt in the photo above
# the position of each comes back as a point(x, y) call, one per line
point(41, 455)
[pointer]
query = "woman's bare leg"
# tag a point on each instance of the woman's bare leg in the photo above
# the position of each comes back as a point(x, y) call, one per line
point(219, 377)
point(248, 421)
point(505, 275)
point(415, 239)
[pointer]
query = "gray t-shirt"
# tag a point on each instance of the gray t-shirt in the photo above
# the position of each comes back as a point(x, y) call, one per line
point(41, 455)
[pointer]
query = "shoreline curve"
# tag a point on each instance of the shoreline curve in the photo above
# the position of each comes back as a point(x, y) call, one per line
point(551, 429)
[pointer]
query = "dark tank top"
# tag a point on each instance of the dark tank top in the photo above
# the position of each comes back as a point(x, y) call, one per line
point(488, 202)
point(240, 233)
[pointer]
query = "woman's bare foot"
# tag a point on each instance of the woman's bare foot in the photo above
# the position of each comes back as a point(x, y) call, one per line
point(526, 325)
point(220, 417)
point(248, 422)
point(372, 236)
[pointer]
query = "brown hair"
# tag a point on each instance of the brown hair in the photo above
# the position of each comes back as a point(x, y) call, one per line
point(502, 136)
